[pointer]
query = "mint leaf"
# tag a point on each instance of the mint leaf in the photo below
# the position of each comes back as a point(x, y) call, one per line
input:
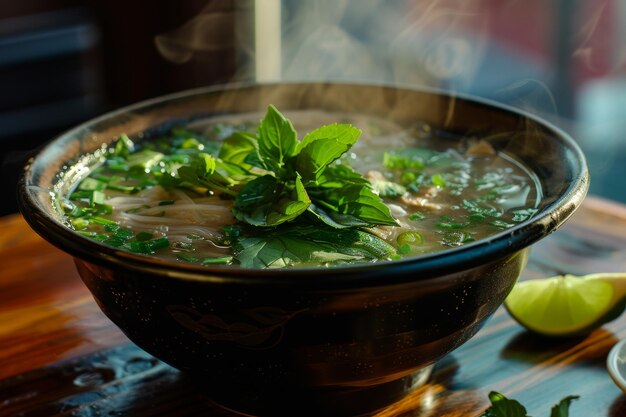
point(237, 147)
point(253, 201)
point(302, 245)
point(316, 156)
point(277, 141)
point(361, 201)
point(562, 408)
point(334, 219)
point(322, 147)
point(234, 156)
point(201, 172)
point(289, 206)
point(338, 176)
point(265, 201)
point(280, 178)
point(353, 204)
point(343, 133)
point(503, 407)
point(344, 198)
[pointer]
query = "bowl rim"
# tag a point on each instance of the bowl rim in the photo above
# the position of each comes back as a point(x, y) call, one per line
point(422, 267)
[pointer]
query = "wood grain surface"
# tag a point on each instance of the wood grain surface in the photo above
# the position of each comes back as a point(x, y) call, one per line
point(59, 355)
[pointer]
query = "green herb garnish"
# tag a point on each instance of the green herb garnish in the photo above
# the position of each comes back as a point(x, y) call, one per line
point(297, 200)
point(521, 215)
point(438, 180)
point(298, 178)
point(297, 245)
point(416, 216)
point(501, 406)
point(387, 189)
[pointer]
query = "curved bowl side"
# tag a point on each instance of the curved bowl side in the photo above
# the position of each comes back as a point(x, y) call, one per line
point(308, 345)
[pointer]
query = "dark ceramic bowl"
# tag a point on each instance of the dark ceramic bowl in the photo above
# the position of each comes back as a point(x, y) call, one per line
point(343, 340)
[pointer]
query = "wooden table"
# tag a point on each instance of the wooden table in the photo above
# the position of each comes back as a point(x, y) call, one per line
point(60, 356)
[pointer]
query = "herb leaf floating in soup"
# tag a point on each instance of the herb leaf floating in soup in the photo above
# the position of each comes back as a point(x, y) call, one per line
point(229, 194)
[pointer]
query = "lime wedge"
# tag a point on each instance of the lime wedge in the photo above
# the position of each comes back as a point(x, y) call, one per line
point(567, 305)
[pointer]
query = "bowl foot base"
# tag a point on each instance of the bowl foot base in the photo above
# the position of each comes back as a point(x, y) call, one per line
point(337, 401)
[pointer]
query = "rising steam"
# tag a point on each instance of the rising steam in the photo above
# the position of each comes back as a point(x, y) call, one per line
point(209, 31)
point(432, 42)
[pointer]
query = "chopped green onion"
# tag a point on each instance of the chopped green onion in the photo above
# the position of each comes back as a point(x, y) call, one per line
point(438, 180)
point(476, 217)
point(404, 249)
point(415, 216)
point(192, 143)
point(448, 223)
point(113, 241)
point(123, 234)
point(501, 224)
point(408, 178)
point(77, 212)
point(90, 184)
point(221, 260)
point(123, 188)
point(102, 220)
point(456, 238)
point(145, 159)
point(521, 215)
point(143, 236)
point(187, 258)
point(112, 227)
point(411, 238)
point(97, 197)
point(123, 146)
point(395, 161)
point(79, 195)
point(79, 223)
point(473, 207)
point(148, 246)
point(102, 209)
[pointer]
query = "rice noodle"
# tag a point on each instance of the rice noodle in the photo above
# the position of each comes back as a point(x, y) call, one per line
point(202, 216)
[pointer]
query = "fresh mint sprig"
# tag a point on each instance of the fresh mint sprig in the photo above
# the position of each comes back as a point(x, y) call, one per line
point(301, 177)
point(501, 406)
point(296, 244)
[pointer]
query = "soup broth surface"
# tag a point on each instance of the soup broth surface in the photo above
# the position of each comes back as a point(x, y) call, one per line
point(443, 192)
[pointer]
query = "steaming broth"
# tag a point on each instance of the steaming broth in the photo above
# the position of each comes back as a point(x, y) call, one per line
point(442, 193)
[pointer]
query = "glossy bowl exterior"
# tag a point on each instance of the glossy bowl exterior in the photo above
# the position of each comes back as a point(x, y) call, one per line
point(345, 340)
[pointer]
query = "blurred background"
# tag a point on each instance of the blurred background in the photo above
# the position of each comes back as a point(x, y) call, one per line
point(65, 61)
